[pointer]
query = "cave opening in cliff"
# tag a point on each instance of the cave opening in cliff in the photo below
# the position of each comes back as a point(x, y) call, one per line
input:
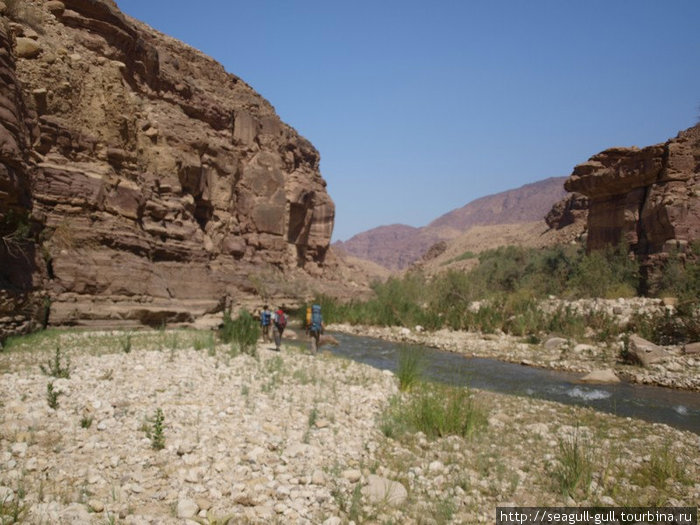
point(203, 212)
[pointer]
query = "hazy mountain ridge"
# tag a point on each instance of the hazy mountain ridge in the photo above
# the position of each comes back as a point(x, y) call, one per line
point(398, 246)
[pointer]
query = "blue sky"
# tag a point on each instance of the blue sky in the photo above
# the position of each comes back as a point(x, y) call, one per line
point(419, 107)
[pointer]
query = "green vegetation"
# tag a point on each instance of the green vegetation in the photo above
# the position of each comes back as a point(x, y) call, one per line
point(435, 409)
point(52, 396)
point(242, 333)
point(410, 367)
point(574, 469)
point(55, 368)
point(15, 233)
point(505, 290)
point(662, 466)
point(86, 421)
point(12, 509)
point(462, 257)
point(126, 344)
point(155, 430)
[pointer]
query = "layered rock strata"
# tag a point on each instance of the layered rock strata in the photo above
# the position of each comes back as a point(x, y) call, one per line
point(647, 198)
point(159, 187)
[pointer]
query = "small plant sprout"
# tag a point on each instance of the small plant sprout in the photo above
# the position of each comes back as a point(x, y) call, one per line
point(55, 368)
point(86, 421)
point(126, 344)
point(52, 396)
point(155, 430)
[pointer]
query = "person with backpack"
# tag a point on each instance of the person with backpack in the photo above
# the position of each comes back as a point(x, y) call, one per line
point(265, 323)
point(307, 324)
point(280, 321)
point(315, 327)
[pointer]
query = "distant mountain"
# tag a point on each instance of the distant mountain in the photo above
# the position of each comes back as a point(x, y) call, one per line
point(398, 246)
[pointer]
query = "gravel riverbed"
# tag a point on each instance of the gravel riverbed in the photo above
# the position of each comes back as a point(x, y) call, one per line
point(290, 438)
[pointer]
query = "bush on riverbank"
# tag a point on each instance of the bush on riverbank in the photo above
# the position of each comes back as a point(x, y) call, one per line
point(504, 292)
point(242, 333)
point(435, 409)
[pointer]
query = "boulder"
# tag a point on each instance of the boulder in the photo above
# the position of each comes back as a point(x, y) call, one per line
point(326, 339)
point(27, 47)
point(554, 343)
point(382, 490)
point(55, 7)
point(645, 352)
point(186, 508)
point(603, 376)
point(692, 349)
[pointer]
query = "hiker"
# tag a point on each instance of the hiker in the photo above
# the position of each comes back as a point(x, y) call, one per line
point(307, 325)
point(315, 327)
point(265, 323)
point(280, 321)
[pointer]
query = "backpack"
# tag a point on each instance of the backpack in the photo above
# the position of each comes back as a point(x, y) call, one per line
point(281, 320)
point(265, 318)
point(316, 319)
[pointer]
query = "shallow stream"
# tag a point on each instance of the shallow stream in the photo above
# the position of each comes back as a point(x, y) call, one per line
point(677, 408)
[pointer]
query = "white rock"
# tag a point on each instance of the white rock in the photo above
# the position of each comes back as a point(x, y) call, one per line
point(318, 478)
point(436, 466)
point(96, 505)
point(554, 343)
point(186, 508)
point(352, 475)
point(19, 449)
point(383, 490)
point(601, 376)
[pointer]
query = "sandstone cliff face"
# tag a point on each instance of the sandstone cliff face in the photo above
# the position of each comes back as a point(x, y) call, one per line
point(646, 197)
point(158, 186)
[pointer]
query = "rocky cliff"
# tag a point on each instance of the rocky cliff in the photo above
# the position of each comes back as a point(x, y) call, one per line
point(647, 198)
point(139, 181)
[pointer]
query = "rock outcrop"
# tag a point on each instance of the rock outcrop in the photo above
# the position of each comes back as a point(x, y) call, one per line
point(647, 198)
point(155, 185)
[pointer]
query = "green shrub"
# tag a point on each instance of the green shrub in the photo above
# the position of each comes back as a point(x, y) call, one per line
point(511, 281)
point(55, 367)
point(574, 469)
point(436, 410)
point(242, 333)
point(680, 275)
point(410, 367)
point(52, 396)
point(126, 344)
point(13, 509)
point(606, 273)
point(155, 430)
point(662, 465)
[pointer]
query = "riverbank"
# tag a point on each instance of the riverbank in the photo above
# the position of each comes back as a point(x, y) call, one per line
point(679, 370)
point(291, 438)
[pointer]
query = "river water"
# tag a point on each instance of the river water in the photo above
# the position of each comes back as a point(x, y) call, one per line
point(677, 408)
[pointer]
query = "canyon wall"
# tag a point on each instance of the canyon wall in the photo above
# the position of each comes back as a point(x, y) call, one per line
point(140, 183)
point(647, 198)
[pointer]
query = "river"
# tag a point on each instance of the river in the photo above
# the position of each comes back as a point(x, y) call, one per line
point(677, 408)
